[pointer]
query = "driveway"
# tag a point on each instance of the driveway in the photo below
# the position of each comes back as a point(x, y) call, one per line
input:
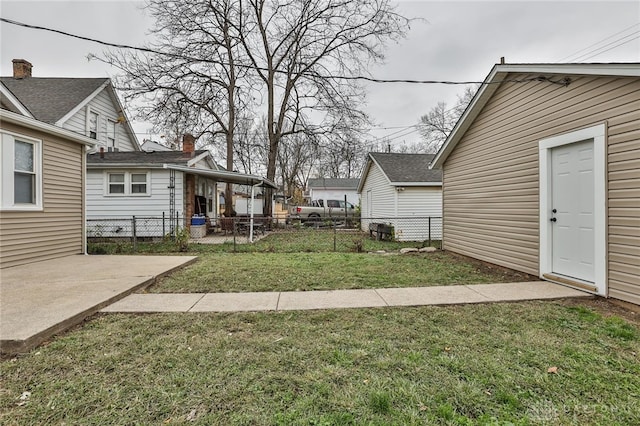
point(41, 299)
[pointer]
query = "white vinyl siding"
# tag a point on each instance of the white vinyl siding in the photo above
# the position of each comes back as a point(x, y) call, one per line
point(102, 206)
point(57, 229)
point(419, 202)
point(491, 195)
point(103, 105)
point(378, 197)
point(381, 202)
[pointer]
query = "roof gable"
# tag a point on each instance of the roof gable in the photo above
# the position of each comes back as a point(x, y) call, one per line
point(51, 99)
point(539, 72)
point(406, 168)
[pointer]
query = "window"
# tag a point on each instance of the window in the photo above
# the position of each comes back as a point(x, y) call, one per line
point(21, 179)
point(24, 176)
point(111, 134)
point(138, 183)
point(116, 183)
point(127, 184)
point(92, 124)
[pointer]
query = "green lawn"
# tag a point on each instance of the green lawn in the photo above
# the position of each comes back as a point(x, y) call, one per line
point(473, 364)
point(240, 272)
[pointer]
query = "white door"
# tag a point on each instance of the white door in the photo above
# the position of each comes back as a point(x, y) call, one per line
point(572, 204)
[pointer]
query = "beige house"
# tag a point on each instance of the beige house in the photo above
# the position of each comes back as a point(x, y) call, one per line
point(41, 189)
point(542, 174)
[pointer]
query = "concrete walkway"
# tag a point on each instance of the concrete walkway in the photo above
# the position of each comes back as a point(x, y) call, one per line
point(41, 299)
point(305, 300)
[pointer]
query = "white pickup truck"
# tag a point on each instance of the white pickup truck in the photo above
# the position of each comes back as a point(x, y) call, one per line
point(321, 209)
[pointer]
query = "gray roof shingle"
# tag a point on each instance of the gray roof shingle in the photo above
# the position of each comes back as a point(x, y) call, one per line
point(333, 183)
point(143, 157)
point(50, 99)
point(407, 167)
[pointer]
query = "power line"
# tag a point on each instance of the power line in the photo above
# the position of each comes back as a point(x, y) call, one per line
point(613, 47)
point(313, 74)
point(597, 43)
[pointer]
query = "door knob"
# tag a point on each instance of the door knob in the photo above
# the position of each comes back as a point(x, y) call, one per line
point(553, 219)
point(554, 211)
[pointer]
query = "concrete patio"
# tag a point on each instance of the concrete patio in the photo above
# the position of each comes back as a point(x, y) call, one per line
point(41, 299)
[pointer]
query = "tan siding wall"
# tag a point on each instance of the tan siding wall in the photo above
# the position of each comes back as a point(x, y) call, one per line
point(624, 204)
point(491, 196)
point(57, 230)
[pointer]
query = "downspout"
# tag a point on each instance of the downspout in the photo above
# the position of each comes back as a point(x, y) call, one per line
point(84, 151)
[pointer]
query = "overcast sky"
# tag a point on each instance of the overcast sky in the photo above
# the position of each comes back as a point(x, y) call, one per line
point(453, 40)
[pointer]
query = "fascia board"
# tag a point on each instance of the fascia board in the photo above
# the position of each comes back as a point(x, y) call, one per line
point(416, 183)
point(82, 104)
point(198, 158)
point(32, 123)
point(15, 101)
point(477, 103)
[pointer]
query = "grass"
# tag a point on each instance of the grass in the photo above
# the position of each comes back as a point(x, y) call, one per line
point(242, 272)
point(473, 364)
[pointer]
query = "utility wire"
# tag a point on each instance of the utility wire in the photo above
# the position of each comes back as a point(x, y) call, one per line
point(613, 47)
point(597, 43)
point(314, 74)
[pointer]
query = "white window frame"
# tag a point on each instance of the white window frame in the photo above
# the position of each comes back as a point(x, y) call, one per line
point(90, 111)
point(127, 183)
point(123, 183)
point(7, 180)
point(112, 142)
point(146, 183)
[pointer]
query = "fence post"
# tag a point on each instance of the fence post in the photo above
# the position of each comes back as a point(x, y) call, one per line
point(335, 233)
point(235, 226)
point(176, 228)
point(163, 228)
point(429, 231)
point(133, 233)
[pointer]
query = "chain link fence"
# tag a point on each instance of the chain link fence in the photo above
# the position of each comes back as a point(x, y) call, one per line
point(243, 234)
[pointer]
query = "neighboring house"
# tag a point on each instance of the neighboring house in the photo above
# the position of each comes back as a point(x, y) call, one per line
point(542, 175)
point(335, 189)
point(149, 145)
point(41, 187)
point(87, 106)
point(155, 185)
point(401, 189)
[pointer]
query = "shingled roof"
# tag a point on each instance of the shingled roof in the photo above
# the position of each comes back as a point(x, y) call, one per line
point(50, 99)
point(333, 183)
point(143, 157)
point(407, 168)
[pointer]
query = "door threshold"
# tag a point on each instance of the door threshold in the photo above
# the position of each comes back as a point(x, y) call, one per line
point(572, 282)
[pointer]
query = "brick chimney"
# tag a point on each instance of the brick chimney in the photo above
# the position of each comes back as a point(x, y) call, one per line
point(188, 143)
point(21, 69)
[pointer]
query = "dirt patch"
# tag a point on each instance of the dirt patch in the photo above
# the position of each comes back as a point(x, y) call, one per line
point(509, 275)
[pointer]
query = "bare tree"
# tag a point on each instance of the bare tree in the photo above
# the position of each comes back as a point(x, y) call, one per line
point(436, 125)
point(213, 57)
point(193, 81)
point(297, 47)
